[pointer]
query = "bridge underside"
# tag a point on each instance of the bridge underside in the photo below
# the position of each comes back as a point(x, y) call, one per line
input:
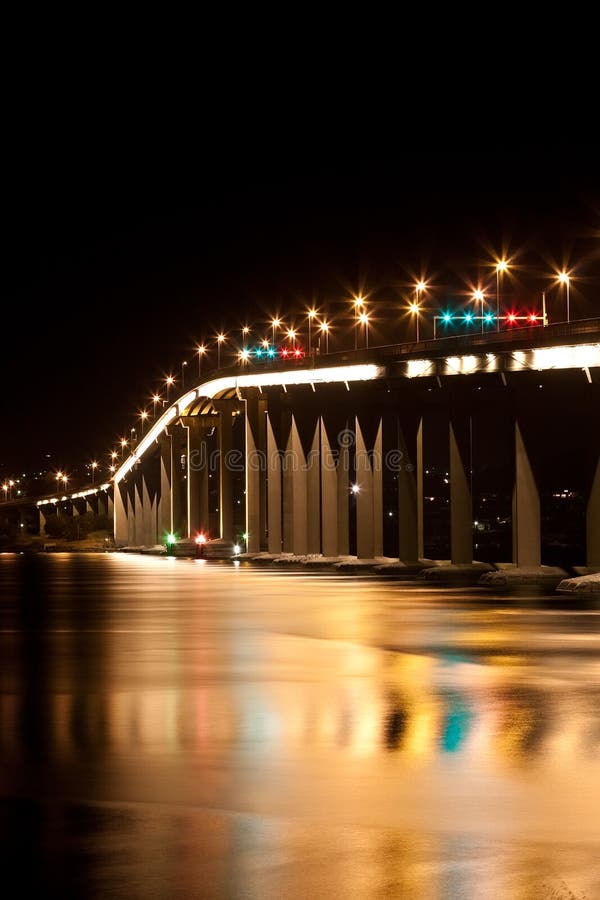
point(350, 468)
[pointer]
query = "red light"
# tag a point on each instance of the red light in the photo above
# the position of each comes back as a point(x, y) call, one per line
point(285, 352)
point(511, 317)
point(533, 317)
point(200, 538)
point(297, 352)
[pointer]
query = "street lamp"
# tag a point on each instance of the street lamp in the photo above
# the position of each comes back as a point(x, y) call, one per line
point(123, 445)
point(94, 466)
point(324, 329)
point(275, 323)
point(5, 489)
point(245, 331)
point(501, 268)
point(64, 479)
point(312, 314)
point(169, 381)
point(183, 367)
point(364, 320)
point(479, 296)
point(244, 355)
point(220, 342)
point(156, 398)
point(291, 334)
point(564, 278)
point(143, 416)
point(358, 304)
point(201, 350)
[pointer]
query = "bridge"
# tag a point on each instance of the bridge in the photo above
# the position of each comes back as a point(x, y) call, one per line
point(307, 456)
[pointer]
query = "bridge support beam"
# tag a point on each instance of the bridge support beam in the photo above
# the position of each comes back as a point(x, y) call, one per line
point(165, 508)
point(295, 512)
point(225, 475)
point(121, 511)
point(197, 476)
point(42, 520)
point(369, 499)
point(273, 490)
point(593, 522)
point(255, 424)
point(461, 510)
point(330, 513)
point(410, 492)
point(525, 508)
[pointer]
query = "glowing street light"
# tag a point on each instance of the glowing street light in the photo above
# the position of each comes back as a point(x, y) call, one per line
point(200, 350)
point(311, 315)
point(169, 381)
point(502, 266)
point(355, 489)
point(363, 319)
point(123, 443)
point(479, 296)
point(324, 329)
point(64, 479)
point(291, 334)
point(156, 398)
point(245, 331)
point(564, 278)
point(244, 355)
point(220, 342)
point(358, 306)
point(275, 323)
point(5, 489)
point(94, 466)
point(143, 414)
point(183, 368)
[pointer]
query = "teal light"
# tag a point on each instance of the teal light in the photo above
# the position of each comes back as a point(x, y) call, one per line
point(171, 538)
point(271, 352)
point(489, 318)
point(468, 317)
point(258, 352)
point(447, 318)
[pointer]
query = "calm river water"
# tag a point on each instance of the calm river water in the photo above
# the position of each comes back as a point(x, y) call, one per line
point(174, 729)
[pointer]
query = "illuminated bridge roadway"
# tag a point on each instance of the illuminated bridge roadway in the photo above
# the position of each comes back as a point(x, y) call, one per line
point(304, 457)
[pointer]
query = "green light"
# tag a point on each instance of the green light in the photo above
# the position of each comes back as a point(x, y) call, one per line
point(245, 536)
point(171, 538)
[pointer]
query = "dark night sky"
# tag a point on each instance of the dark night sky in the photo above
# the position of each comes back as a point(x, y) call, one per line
point(115, 264)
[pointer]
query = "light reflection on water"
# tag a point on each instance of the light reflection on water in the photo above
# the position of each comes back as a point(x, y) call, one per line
point(461, 730)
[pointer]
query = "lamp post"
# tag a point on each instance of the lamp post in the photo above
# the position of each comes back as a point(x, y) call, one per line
point(94, 466)
point(364, 320)
point(479, 296)
point(143, 417)
point(5, 489)
point(358, 305)
point(275, 323)
point(183, 368)
point(156, 398)
point(324, 329)
point(123, 445)
point(564, 278)
point(169, 380)
point(312, 314)
point(291, 334)
point(501, 267)
point(201, 350)
point(220, 342)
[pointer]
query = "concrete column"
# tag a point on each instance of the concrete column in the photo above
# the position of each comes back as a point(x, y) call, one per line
point(593, 522)
point(329, 496)
point(295, 522)
point(42, 520)
point(197, 476)
point(273, 490)
point(410, 492)
point(377, 470)
point(525, 509)
point(366, 536)
point(132, 510)
point(225, 479)
point(110, 506)
point(253, 477)
point(461, 511)
point(313, 496)
point(343, 497)
point(148, 513)
point(165, 504)
point(120, 518)
point(179, 485)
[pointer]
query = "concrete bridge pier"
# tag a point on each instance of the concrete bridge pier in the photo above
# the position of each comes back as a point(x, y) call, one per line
point(295, 507)
point(226, 409)
point(369, 497)
point(410, 490)
point(256, 485)
point(121, 513)
point(165, 504)
point(525, 508)
point(273, 490)
point(461, 504)
point(197, 474)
